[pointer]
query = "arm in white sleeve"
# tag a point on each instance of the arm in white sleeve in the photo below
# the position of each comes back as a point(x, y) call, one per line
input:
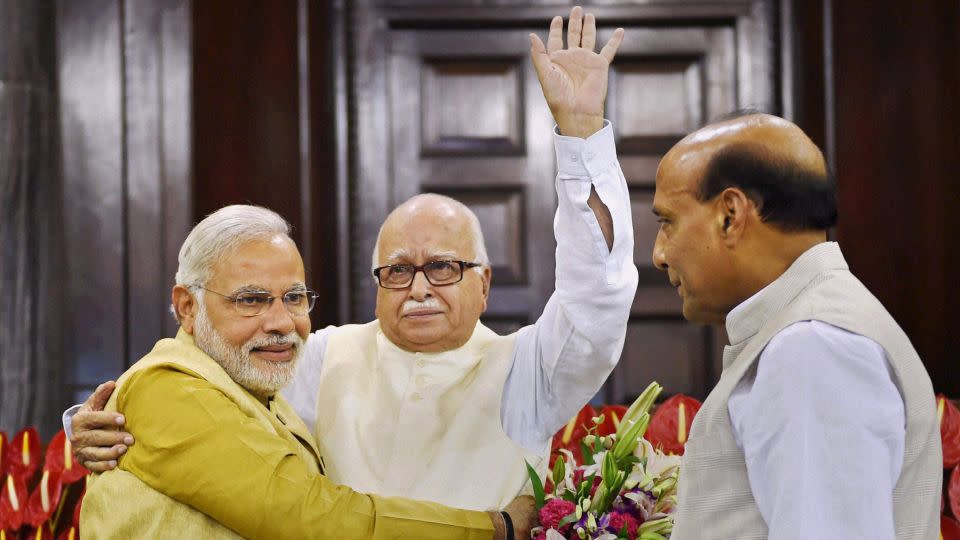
point(67, 419)
point(822, 426)
point(563, 359)
point(302, 390)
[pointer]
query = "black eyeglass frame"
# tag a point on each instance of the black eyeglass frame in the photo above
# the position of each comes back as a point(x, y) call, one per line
point(235, 299)
point(422, 268)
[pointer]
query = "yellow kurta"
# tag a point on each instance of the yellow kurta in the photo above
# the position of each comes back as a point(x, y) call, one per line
point(211, 461)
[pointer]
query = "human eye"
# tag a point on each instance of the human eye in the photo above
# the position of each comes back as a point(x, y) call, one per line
point(400, 270)
point(295, 298)
point(253, 299)
point(443, 269)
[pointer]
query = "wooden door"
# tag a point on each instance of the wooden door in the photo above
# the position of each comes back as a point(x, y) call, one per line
point(446, 101)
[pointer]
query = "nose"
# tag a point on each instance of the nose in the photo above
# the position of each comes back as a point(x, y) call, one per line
point(277, 320)
point(659, 256)
point(420, 288)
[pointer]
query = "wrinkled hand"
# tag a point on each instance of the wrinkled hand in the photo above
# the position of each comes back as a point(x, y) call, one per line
point(97, 440)
point(574, 80)
point(523, 513)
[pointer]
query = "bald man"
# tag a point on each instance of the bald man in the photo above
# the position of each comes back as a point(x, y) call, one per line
point(823, 424)
point(427, 402)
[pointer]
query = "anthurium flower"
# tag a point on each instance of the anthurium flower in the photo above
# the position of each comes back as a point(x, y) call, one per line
point(60, 459)
point(3, 454)
point(70, 533)
point(670, 425)
point(23, 454)
point(949, 417)
point(569, 437)
point(949, 528)
point(612, 415)
point(13, 503)
point(45, 499)
point(953, 491)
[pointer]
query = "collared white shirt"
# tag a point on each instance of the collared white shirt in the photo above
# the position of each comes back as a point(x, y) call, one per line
point(562, 360)
point(822, 427)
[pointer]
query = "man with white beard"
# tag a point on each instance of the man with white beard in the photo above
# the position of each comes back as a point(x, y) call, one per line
point(220, 454)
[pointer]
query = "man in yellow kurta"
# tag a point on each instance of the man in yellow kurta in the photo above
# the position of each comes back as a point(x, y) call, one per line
point(220, 454)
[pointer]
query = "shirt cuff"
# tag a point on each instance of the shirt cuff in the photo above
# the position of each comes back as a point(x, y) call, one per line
point(67, 420)
point(585, 157)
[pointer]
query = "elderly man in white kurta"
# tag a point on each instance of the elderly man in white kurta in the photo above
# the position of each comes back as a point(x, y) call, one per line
point(425, 401)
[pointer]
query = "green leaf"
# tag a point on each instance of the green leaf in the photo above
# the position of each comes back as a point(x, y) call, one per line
point(640, 406)
point(587, 453)
point(567, 519)
point(538, 494)
point(559, 470)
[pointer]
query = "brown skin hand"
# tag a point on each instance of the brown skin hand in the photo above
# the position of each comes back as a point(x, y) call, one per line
point(719, 252)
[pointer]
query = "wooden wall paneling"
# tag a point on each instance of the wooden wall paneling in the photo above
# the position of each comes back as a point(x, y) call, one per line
point(323, 180)
point(90, 63)
point(175, 139)
point(481, 154)
point(246, 128)
point(148, 288)
point(31, 228)
point(672, 353)
point(897, 88)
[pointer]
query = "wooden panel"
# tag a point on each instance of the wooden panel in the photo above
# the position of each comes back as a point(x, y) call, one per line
point(490, 86)
point(246, 129)
point(665, 101)
point(672, 353)
point(91, 107)
point(31, 265)
point(897, 160)
point(501, 217)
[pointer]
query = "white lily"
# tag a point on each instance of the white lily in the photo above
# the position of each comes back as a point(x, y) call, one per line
point(659, 464)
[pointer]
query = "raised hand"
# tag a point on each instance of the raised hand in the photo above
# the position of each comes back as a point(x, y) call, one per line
point(97, 440)
point(574, 80)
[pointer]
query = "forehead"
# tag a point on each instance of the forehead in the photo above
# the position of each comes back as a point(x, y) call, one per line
point(273, 264)
point(678, 178)
point(427, 233)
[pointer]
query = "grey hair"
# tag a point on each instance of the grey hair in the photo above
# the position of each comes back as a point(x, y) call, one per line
point(479, 245)
point(220, 233)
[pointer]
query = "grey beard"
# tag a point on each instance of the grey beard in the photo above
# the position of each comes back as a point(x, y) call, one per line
point(259, 377)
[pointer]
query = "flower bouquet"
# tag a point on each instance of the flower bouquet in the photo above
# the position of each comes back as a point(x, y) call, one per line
point(623, 488)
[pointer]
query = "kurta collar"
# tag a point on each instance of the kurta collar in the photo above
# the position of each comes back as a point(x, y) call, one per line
point(745, 320)
point(464, 356)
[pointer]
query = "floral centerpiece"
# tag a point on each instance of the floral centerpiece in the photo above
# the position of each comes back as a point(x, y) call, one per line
point(622, 488)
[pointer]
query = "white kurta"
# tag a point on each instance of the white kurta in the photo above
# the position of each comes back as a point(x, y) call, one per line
point(543, 375)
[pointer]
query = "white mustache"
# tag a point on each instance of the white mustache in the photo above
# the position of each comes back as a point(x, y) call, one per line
point(292, 338)
point(411, 305)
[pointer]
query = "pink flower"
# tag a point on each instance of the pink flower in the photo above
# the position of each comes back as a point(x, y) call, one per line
point(618, 519)
point(554, 511)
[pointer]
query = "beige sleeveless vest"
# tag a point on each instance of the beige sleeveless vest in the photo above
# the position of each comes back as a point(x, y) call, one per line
point(420, 425)
point(104, 514)
point(715, 501)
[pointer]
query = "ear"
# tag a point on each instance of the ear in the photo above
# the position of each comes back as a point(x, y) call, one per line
point(486, 279)
point(185, 308)
point(734, 208)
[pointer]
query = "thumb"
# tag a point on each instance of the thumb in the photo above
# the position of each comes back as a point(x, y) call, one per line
point(98, 399)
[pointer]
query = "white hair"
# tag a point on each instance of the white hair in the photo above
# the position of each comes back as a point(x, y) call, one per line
point(479, 245)
point(220, 233)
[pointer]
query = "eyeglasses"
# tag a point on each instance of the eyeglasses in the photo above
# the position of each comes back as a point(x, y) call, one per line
point(251, 304)
point(400, 276)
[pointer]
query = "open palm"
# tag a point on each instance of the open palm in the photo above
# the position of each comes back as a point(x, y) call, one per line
point(574, 80)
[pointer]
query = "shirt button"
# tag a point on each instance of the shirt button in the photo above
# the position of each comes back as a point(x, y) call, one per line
point(574, 159)
point(421, 363)
point(421, 380)
point(416, 396)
